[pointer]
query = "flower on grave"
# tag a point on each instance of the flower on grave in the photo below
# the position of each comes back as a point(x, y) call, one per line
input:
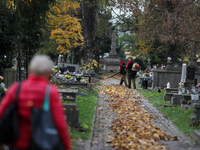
point(54, 70)
point(78, 77)
point(3, 88)
point(1, 79)
point(67, 76)
point(82, 68)
point(198, 86)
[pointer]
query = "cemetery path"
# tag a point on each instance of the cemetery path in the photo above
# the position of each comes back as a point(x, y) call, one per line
point(105, 115)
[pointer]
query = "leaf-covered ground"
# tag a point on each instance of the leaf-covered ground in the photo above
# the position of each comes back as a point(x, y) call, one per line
point(133, 128)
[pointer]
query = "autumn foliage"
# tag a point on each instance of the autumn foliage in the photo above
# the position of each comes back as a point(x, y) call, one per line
point(66, 27)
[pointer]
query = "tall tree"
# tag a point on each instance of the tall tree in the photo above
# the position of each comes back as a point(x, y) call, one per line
point(172, 22)
point(65, 26)
point(6, 36)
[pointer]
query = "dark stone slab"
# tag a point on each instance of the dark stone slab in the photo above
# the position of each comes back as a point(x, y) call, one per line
point(68, 94)
point(186, 97)
point(196, 136)
point(168, 96)
point(72, 113)
point(197, 111)
point(184, 101)
point(192, 118)
point(185, 106)
point(171, 90)
point(71, 84)
point(193, 103)
point(70, 106)
point(176, 99)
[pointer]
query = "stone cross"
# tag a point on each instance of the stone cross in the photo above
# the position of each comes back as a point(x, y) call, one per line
point(149, 59)
point(113, 44)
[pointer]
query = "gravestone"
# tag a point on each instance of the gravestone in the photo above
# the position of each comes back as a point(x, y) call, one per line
point(72, 113)
point(176, 99)
point(192, 68)
point(72, 84)
point(196, 135)
point(70, 67)
point(68, 94)
point(183, 73)
point(169, 93)
point(149, 64)
point(14, 62)
point(185, 100)
point(112, 61)
point(197, 111)
point(169, 64)
point(9, 76)
point(60, 59)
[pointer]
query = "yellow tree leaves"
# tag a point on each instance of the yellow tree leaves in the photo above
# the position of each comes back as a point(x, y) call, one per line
point(144, 47)
point(134, 128)
point(66, 28)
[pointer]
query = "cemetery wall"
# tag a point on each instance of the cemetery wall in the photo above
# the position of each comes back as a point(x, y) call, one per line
point(162, 77)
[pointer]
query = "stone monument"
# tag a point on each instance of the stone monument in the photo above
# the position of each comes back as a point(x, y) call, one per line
point(9, 76)
point(60, 59)
point(149, 64)
point(14, 61)
point(169, 63)
point(112, 61)
point(192, 68)
point(183, 73)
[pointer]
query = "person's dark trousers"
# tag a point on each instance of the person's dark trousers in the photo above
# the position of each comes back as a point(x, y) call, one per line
point(131, 77)
point(123, 79)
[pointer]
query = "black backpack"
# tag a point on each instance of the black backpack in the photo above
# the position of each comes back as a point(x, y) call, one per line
point(45, 135)
point(9, 124)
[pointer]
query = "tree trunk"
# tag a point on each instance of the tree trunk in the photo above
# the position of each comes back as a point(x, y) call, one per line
point(88, 17)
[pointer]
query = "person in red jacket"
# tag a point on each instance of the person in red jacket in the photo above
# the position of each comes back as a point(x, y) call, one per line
point(122, 72)
point(32, 93)
point(131, 73)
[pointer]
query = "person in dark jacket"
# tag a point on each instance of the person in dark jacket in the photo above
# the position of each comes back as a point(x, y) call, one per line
point(131, 73)
point(122, 72)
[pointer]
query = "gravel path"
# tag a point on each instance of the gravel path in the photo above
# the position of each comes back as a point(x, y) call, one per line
point(104, 116)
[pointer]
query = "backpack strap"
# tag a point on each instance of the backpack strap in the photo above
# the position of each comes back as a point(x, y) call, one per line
point(46, 98)
point(17, 92)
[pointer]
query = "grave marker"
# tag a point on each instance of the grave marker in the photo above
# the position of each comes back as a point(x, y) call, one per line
point(183, 73)
point(72, 113)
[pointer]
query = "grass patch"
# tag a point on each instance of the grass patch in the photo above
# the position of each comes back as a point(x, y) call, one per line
point(86, 107)
point(179, 116)
point(154, 97)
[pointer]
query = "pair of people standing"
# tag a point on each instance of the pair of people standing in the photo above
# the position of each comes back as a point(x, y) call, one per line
point(131, 73)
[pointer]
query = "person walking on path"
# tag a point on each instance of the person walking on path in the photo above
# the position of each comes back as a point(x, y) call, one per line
point(122, 72)
point(32, 93)
point(131, 73)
